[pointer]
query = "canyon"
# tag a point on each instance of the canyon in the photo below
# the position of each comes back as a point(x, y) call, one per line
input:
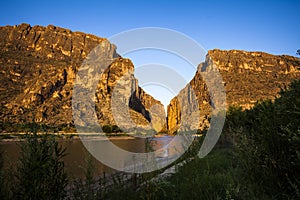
point(39, 66)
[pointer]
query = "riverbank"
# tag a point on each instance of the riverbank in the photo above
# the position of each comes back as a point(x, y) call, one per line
point(15, 137)
point(19, 137)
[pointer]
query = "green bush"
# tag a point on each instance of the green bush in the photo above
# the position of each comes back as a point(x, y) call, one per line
point(107, 129)
point(41, 173)
point(267, 139)
point(115, 129)
point(111, 129)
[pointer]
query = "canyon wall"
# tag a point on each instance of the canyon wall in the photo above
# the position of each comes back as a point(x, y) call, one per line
point(247, 78)
point(38, 68)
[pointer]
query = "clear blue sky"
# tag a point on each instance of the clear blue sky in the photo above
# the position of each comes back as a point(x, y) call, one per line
point(270, 26)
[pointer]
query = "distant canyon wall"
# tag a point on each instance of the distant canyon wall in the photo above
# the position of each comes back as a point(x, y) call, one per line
point(247, 78)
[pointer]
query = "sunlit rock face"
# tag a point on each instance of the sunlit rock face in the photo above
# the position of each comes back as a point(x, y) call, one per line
point(40, 64)
point(38, 70)
point(247, 77)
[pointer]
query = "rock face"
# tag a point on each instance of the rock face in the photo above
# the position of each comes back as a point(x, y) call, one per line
point(38, 69)
point(38, 66)
point(247, 77)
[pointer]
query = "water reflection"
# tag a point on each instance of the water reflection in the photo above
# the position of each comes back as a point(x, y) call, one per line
point(75, 161)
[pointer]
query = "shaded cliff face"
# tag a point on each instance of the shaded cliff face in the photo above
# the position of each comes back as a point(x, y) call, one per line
point(247, 77)
point(38, 68)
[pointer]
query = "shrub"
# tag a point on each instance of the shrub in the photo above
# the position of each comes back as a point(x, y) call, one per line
point(268, 140)
point(41, 173)
point(111, 129)
point(107, 129)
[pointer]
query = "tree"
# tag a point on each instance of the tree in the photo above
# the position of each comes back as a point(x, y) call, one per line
point(41, 173)
point(298, 52)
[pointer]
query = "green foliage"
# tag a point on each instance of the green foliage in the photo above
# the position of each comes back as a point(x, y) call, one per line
point(115, 129)
point(41, 173)
point(111, 129)
point(66, 128)
point(207, 178)
point(85, 189)
point(267, 140)
point(107, 128)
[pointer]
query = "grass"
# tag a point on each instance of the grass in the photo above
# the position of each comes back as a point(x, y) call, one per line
point(208, 178)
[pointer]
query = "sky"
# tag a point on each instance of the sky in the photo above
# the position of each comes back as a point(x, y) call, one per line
point(269, 26)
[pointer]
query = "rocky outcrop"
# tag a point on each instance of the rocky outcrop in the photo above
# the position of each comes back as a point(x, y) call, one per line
point(38, 69)
point(247, 77)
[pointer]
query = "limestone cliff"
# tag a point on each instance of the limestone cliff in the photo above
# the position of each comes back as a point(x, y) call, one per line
point(39, 65)
point(247, 77)
point(38, 68)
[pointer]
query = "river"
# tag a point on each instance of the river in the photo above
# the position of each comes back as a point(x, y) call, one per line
point(77, 154)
